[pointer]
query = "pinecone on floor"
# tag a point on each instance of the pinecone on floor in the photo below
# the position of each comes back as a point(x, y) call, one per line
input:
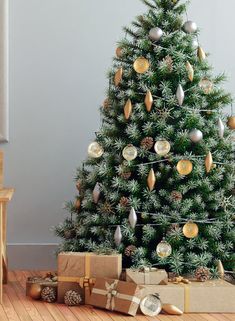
point(229, 278)
point(147, 143)
point(48, 294)
point(72, 298)
point(129, 250)
point(202, 274)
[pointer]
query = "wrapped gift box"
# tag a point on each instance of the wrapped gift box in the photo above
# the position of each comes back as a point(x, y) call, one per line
point(39, 280)
point(78, 270)
point(147, 276)
point(215, 296)
point(116, 295)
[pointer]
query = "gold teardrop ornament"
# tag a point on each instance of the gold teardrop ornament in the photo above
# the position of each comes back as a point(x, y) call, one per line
point(171, 309)
point(118, 76)
point(190, 70)
point(141, 65)
point(119, 52)
point(128, 109)
point(190, 230)
point(209, 162)
point(201, 54)
point(231, 122)
point(184, 167)
point(148, 101)
point(151, 181)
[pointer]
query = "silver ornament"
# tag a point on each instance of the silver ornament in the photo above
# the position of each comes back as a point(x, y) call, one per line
point(190, 26)
point(96, 193)
point(180, 95)
point(221, 128)
point(132, 218)
point(195, 44)
point(155, 34)
point(195, 135)
point(164, 249)
point(151, 305)
point(118, 236)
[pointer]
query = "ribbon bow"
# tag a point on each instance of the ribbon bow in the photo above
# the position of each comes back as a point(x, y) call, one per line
point(111, 294)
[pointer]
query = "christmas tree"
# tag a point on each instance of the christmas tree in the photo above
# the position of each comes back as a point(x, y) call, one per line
point(158, 183)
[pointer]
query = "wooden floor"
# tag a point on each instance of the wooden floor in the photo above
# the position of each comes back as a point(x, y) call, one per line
point(16, 307)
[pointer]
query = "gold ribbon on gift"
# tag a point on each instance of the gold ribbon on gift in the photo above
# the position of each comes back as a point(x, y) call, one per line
point(111, 293)
point(85, 281)
point(186, 297)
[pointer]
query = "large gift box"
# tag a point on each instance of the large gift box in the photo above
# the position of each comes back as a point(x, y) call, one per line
point(147, 276)
point(213, 296)
point(116, 295)
point(78, 270)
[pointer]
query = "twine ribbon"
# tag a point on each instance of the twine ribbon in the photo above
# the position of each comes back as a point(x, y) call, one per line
point(112, 294)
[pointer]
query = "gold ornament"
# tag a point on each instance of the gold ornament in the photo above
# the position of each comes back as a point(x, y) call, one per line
point(190, 70)
point(78, 204)
point(231, 122)
point(129, 152)
point(106, 103)
point(95, 150)
point(164, 249)
point(171, 309)
point(220, 269)
point(190, 230)
point(118, 76)
point(184, 167)
point(35, 291)
point(206, 85)
point(128, 109)
point(78, 185)
point(141, 65)
point(119, 52)
point(148, 101)
point(201, 54)
point(151, 180)
point(209, 162)
point(162, 147)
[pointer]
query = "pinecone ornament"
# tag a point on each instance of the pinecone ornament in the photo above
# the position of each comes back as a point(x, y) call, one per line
point(48, 294)
point(69, 234)
point(202, 274)
point(169, 63)
point(147, 143)
point(125, 175)
point(72, 298)
point(106, 208)
point(229, 278)
point(129, 250)
point(176, 196)
point(124, 201)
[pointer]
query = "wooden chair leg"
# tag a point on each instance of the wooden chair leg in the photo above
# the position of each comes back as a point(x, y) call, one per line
point(4, 241)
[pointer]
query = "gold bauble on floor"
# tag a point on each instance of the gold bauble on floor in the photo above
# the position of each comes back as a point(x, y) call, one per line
point(35, 291)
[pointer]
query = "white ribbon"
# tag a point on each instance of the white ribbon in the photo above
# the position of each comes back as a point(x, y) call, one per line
point(111, 293)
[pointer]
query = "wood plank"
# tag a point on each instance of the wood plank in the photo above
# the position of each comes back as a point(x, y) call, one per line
point(3, 316)
point(219, 316)
point(9, 309)
point(230, 317)
point(6, 194)
point(207, 317)
point(67, 313)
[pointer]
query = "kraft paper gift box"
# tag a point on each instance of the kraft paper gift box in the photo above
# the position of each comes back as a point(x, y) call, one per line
point(39, 280)
point(116, 295)
point(214, 296)
point(147, 276)
point(77, 271)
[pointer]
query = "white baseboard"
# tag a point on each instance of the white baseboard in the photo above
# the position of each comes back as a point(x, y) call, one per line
point(24, 256)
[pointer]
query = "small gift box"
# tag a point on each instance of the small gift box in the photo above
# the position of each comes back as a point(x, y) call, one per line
point(77, 271)
point(147, 276)
point(116, 295)
point(49, 280)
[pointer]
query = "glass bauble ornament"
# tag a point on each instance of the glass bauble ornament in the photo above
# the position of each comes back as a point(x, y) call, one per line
point(162, 147)
point(206, 85)
point(196, 135)
point(231, 122)
point(190, 230)
point(151, 305)
point(95, 150)
point(195, 44)
point(118, 236)
point(129, 152)
point(141, 65)
point(35, 291)
point(180, 95)
point(190, 26)
point(164, 249)
point(184, 167)
point(155, 34)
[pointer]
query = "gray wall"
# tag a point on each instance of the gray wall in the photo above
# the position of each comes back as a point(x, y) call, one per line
point(60, 51)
